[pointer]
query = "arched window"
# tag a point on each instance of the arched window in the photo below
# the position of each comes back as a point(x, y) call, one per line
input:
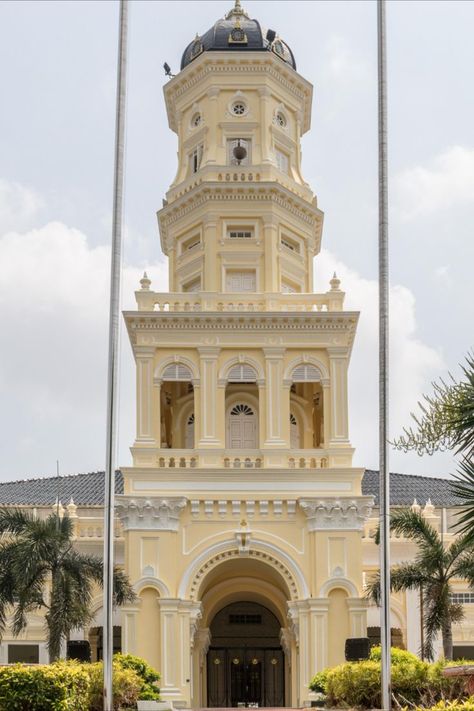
point(306, 374)
point(242, 374)
point(177, 371)
point(242, 427)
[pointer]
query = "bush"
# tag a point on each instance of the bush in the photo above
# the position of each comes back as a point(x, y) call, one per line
point(149, 676)
point(63, 686)
point(398, 656)
point(467, 705)
point(126, 687)
point(319, 681)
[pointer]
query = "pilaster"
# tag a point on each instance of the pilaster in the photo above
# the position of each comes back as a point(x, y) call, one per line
point(338, 364)
point(277, 406)
point(145, 427)
point(357, 616)
point(208, 416)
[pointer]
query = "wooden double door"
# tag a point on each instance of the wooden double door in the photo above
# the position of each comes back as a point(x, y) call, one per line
point(250, 676)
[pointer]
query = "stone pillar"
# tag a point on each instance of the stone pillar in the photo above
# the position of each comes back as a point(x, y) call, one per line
point(213, 94)
point(299, 614)
point(144, 373)
point(338, 362)
point(357, 616)
point(265, 123)
point(211, 273)
point(178, 627)
point(272, 278)
point(157, 382)
point(277, 405)
point(202, 640)
point(208, 415)
point(319, 610)
point(129, 628)
point(413, 621)
point(325, 383)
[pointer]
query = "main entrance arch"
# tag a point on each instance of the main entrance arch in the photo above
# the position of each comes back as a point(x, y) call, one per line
point(245, 662)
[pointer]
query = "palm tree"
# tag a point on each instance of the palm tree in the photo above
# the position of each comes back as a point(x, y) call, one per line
point(41, 570)
point(432, 571)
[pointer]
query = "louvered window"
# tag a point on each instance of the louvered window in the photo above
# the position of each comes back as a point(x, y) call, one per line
point(240, 232)
point(242, 409)
point(177, 371)
point(242, 374)
point(306, 374)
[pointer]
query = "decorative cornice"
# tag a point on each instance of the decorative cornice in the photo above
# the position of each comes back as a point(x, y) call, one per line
point(150, 513)
point(342, 514)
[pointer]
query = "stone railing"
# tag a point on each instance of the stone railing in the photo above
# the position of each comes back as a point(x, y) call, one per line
point(92, 529)
point(249, 302)
point(237, 459)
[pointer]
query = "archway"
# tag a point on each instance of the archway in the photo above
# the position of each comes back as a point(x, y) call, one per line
point(245, 662)
point(244, 647)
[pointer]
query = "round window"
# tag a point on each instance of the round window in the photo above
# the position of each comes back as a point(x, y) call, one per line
point(196, 120)
point(238, 108)
point(280, 119)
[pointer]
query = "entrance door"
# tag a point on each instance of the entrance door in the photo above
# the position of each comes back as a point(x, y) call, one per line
point(246, 679)
point(242, 427)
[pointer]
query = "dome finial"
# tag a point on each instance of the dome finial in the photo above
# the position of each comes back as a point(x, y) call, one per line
point(236, 11)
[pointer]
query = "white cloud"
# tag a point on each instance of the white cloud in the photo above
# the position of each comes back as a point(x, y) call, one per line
point(413, 364)
point(19, 205)
point(447, 182)
point(341, 63)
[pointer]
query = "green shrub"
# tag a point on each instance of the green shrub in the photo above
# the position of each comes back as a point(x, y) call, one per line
point(443, 705)
point(63, 686)
point(126, 687)
point(319, 681)
point(149, 676)
point(398, 656)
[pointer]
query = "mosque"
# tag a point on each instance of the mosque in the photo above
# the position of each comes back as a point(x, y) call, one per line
point(242, 523)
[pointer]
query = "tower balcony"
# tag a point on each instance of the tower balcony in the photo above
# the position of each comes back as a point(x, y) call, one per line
point(147, 300)
point(159, 458)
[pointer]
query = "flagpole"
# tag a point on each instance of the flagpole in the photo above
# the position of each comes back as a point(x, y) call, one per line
point(383, 363)
point(112, 380)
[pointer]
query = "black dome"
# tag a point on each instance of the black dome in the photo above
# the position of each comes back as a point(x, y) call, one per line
point(236, 32)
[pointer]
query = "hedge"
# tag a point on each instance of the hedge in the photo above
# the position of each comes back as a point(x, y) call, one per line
point(71, 686)
point(414, 682)
point(56, 687)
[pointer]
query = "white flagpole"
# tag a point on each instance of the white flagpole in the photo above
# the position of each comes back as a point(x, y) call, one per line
point(114, 315)
point(383, 363)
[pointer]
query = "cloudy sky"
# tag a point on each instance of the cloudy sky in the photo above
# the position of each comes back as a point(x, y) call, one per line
point(58, 62)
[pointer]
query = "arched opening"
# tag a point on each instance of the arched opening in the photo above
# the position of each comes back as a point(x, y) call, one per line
point(177, 408)
point(96, 641)
point(241, 397)
point(306, 395)
point(245, 617)
point(245, 662)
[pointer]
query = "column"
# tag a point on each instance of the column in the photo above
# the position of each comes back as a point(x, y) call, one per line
point(129, 628)
point(156, 411)
point(213, 95)
point(265, 113)
point(326, 385)
point(144, 357)
point(277, 406)
point(202, 640)
point(210, 272)
point(357, 616)
point(171, 654)
point(208, 415)
point(272, 276)
point(413, 621)
point(338, 362)
point(319, 610)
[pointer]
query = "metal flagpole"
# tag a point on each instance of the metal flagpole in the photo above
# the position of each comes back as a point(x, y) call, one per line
point(114, 315)
point(383, 363)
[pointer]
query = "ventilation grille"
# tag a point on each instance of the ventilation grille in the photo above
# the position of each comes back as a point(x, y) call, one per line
point(241, 409)
point(242, 374)
point(245, 619)
point(177, 371)
point(306, 374)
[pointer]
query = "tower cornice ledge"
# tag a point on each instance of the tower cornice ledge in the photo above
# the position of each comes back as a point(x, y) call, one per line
point(150, 513)
point(341, 513)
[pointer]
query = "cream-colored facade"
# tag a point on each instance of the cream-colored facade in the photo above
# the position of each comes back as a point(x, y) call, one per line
point(242, 487)
point(241, 506)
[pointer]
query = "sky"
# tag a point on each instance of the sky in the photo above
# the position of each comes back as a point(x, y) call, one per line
point(58, 66)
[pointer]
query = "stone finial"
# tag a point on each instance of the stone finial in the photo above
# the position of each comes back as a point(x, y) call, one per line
point(429, 509)
point(58, 508)
point(145, 282)
point(72, 509)
point(415, 507)
point(335, 283)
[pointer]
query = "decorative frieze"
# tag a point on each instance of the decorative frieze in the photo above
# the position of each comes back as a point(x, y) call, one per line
point(342, 514)
point(150, 513)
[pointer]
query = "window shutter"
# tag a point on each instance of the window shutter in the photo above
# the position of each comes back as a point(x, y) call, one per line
point(242, 374)
point(177, 371)
point(306, 374)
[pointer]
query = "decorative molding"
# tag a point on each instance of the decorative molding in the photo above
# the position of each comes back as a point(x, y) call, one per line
point(150, 513)
point(341, 514)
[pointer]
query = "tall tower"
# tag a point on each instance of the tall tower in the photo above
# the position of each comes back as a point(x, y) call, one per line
point(242, 513)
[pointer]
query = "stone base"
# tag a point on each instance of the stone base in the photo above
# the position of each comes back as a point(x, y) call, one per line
point(154, 706)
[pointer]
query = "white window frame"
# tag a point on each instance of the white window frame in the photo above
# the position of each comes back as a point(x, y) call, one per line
point(195, 158)
point(237, 269)
point(282, 161)
point(240, 225)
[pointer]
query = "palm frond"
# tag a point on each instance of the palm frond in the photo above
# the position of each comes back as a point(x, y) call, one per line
point(14, 521)
point(463, 489)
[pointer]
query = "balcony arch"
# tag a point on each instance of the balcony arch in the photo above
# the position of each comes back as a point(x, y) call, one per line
point(305, 380)
point(248, 366)
point(306, 361)
point(173, 366)
point(177, 403)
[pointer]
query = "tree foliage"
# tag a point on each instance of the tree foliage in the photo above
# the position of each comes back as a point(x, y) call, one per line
point(41, 570)
point(431, 572)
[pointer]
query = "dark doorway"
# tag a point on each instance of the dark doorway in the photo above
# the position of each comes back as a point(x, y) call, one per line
point(245, 664)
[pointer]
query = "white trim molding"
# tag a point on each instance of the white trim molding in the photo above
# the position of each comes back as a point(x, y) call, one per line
point(150, 513)
point(341, 513)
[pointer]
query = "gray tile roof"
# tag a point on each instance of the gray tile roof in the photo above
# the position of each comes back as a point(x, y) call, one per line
point(406, 487)
point(88, 489)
